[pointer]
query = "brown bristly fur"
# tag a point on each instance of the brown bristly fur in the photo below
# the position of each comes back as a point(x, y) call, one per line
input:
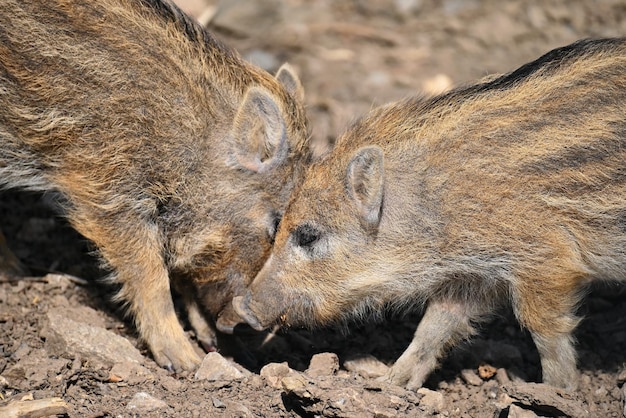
point(169, 152)
point(511, 190)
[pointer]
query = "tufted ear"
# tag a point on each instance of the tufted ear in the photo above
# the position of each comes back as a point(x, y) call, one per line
point(259, 134)
point(365, 181)
point(287, 77)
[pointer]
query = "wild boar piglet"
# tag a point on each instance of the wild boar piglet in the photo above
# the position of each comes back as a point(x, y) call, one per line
point(169, 152)
point(511, 190)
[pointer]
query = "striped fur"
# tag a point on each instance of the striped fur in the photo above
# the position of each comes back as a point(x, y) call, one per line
point(511, 190)
point(169, 152)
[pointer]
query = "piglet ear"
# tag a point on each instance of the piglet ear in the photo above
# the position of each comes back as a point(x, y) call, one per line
point(259, 134)
point(365, 180)
point(288, 78)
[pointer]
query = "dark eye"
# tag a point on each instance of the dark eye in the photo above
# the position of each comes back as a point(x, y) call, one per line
point(274, 224)
point(306, 235)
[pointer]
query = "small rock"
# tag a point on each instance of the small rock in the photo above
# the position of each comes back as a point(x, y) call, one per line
point(131, 373)
point(503, 401)
point(616, 393)
point(601, 392)
point(274, 373)
point(502, 376)
point(471, 378)
point(432, 399)
point(217, 403)
point(216, 367)
point(296, 384)
point(61, 281)
point(239, 410)
point(518, 412)
point(65, 336)
point(323, 364)
point(170, 384)
point(545, 398)
point(486, 371)
point(142, 403)
point(367, 366)
point(491, 389)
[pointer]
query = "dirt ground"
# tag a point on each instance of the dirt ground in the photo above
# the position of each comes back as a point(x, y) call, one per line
point(351, 56)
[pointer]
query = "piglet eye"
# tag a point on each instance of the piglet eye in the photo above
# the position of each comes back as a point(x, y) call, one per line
point(306, 235)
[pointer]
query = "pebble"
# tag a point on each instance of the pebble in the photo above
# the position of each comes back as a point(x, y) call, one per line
point(470, 377)
point(537, 396)
point(502, 376)
point(170, 384)
point(65, 336)
point(131, 373)
point(273, 373)
point(323, 364)
point(143, 403)
point(518, 412)
point(215, 367)
point(432, 399)
point(296, 384)
point(367, 366)
point(601, 392)
point(486, 371)
point(217, 403)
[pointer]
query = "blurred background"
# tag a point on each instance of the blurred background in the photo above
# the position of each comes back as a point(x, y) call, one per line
point(355, 54)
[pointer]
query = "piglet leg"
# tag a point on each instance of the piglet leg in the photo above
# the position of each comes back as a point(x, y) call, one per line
point(444, 325)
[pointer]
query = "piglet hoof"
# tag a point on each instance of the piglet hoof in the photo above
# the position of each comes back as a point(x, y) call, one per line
point(404, 378)
point(177, 357)
point(208, 346)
